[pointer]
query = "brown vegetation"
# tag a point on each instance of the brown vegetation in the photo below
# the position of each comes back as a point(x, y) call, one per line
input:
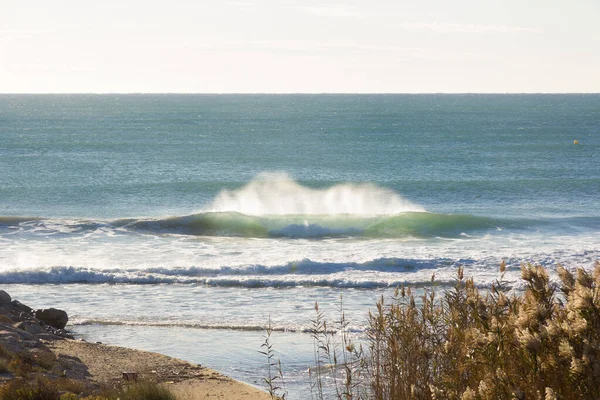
point(543, 343)
point(45, 389)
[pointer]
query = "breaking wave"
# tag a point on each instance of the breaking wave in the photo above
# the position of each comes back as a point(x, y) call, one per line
point(418, 224)
point(378, 273)
point(275, 193)
point(273, 206)
point(228, 224)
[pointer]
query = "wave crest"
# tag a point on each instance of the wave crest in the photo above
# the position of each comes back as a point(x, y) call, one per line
point(278, 194)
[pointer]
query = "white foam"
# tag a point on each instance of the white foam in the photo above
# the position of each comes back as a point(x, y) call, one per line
point(275, 193)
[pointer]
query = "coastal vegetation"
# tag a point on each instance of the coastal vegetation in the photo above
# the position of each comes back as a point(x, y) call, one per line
point(43, 388)
point(470, 344)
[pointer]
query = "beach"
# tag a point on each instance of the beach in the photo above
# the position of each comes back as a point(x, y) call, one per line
point(96, 366)
point(186, 381)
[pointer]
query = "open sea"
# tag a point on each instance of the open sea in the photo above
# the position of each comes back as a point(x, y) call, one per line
point(182, 223)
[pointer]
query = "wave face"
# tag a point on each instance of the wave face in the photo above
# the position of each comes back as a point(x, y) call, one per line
point(408, 224)
point(234, 224)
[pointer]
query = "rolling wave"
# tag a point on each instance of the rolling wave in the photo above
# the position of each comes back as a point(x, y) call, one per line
point(273, 205)
point(410, 224)
point(382, 272)
point(234, 224)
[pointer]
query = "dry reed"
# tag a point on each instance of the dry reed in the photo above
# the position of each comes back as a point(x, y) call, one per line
point(542, 343)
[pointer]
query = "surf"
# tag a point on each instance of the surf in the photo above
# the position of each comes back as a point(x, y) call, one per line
point(275, 193)
point(273, 205)
point(235, 224)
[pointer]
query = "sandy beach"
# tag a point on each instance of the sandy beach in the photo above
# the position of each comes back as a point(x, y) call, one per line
point(105, 365)
point(96, 366)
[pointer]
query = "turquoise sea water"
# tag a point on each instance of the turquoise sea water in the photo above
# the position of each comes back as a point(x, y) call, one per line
point(196, 217)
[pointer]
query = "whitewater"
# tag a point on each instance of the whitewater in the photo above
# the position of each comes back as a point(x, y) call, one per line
point(183, 223)
point(348, 235)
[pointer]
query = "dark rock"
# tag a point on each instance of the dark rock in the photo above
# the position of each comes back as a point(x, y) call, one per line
point(53, 317)
point(73, 368)
point(4, 297)
point(14, 339)
point(29, 326)
point(24, 316)
point(21, 307)
point(58, 332)
point(65, 334)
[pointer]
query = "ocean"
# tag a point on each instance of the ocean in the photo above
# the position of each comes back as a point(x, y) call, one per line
point(183, 223)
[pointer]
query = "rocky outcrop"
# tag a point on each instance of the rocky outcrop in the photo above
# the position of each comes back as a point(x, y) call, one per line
point(21, 307)
point(53, 317)
point(29, 326)
point(41, 323)
point(4, 298)
point(15, 339)
point(24, 341)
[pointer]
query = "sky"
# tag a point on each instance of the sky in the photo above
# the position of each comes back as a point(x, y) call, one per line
point(281, 46)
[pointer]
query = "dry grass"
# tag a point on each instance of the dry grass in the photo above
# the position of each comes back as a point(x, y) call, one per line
point(337, 360)
point(24, 363)
point(70, 385)
point(543, 343)
point(145, 391)
point(274, 380)
point(45, 389)
point(19, 389)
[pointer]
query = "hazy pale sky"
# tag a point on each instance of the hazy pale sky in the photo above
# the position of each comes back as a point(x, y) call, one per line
point(206, 46)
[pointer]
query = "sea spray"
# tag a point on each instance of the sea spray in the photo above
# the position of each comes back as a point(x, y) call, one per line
point(275, 193)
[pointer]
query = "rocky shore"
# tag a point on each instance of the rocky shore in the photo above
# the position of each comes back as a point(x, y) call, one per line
point(34, 344)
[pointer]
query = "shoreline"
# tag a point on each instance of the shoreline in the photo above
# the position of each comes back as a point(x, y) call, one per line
point(55, 355)
point(185, 380)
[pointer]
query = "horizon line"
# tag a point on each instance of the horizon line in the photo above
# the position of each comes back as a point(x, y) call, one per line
point(297, 93)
